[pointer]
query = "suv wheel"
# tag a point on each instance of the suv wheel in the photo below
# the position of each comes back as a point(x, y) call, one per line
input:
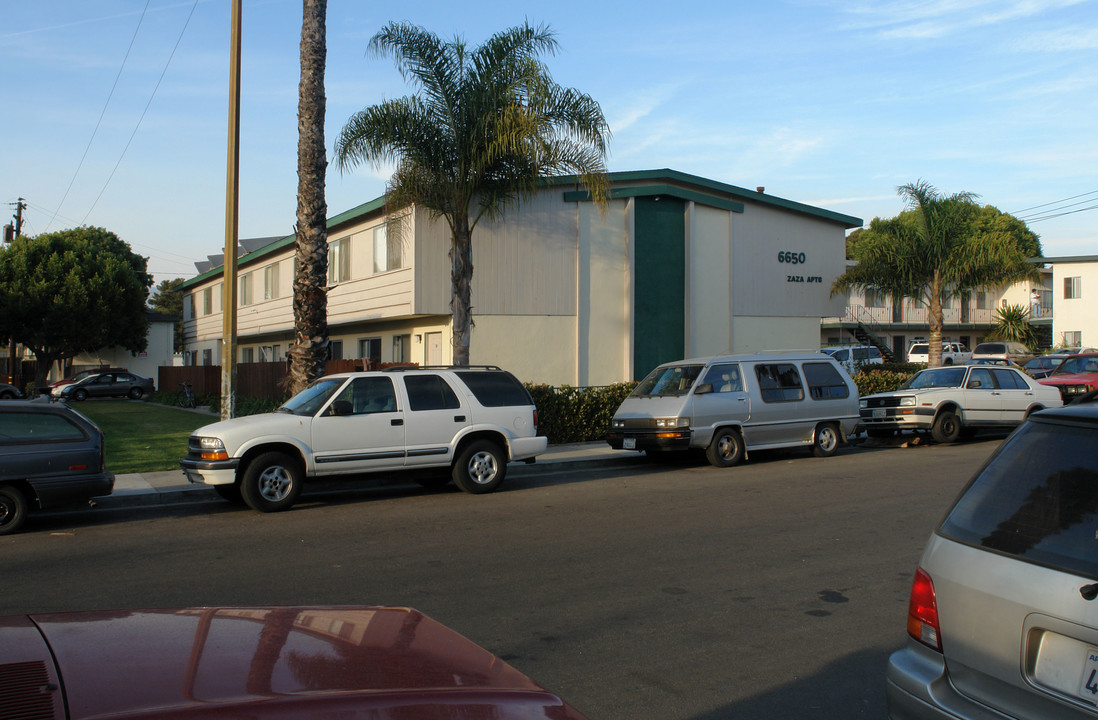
point(13, 509)
point(946, 427)
point(271, 482)
point(826, 441)
point(480, 467)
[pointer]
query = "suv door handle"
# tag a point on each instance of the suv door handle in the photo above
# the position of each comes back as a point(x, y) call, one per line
point(396, 421)
point(459, 418)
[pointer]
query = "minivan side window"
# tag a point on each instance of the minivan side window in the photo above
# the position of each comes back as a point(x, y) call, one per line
point(779, 382)
point(724, 378)
point(429, 392)
point(824, 381)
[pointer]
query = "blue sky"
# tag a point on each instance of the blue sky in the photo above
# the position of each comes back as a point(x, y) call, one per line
point(829, 102)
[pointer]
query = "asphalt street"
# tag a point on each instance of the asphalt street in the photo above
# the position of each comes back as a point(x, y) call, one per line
point(774, 589)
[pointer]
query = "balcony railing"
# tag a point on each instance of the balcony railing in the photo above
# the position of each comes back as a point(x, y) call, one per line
point(883, 316)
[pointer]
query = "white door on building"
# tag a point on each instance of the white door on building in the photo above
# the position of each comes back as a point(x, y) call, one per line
point(433, 349)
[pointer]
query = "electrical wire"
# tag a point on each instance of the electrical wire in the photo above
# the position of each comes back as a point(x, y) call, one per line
point(143, 112)
point(102, 113)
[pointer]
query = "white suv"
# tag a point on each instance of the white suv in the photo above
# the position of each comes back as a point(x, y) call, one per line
point(468, 420)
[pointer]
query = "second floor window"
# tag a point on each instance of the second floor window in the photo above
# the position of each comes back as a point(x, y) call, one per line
point(246, 289)
point(339, 261)
point(1073, 288)
point(207, 301)
point(270, 282)
point(387, 255)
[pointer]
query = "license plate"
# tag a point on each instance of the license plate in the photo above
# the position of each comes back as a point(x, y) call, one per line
point(1088, 688)
point(629, 443)
point(878, 412)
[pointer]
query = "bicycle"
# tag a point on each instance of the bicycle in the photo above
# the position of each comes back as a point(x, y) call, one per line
point(186, 399)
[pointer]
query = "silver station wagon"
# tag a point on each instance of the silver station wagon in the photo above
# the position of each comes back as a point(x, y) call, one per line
point(1003, 613)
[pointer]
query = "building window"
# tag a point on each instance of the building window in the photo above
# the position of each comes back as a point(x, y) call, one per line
point(874, 298)
point(981, 301)
point(402, 348)
point(370, 349)
point(1073, 338)
point(270, 282)
point(207, 357)
point(207, 301)
point(1073, 288)
point(268, 353)
point(947, 302)
point(335, 349)
point(247, 355)
point(387, 255)
point(339, 261)
point(246, 289)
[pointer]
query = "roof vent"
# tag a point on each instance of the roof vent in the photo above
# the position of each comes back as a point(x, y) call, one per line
point(760, 189)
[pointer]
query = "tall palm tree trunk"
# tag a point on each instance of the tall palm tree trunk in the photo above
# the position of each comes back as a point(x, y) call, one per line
point(309, 351)
point(461, 282)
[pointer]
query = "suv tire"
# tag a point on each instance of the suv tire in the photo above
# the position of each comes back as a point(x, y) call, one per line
point(480, 467)
point(271, 482)
point(13, 509)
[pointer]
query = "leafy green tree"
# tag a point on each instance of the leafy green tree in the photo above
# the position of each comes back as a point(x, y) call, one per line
point(1012, 323)
point(930, 252)
point(486, 126)
point(73, 291)
point(167, 299)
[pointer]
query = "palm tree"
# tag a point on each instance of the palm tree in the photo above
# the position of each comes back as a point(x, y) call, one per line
point(487, 124)
point(310, 348)
point(1012, 323)
point(930, 253)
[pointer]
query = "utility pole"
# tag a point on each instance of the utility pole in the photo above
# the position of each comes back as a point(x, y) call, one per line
point(232, 193)
point(10, 233)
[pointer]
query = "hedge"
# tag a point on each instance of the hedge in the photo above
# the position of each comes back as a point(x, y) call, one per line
point(569, 414)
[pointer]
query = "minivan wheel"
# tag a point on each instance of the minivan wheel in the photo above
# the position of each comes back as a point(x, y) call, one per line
point(13, 509)
point(271, 483)
point(946, 427)
point(726, 449)
point(826, 441)
point(479, 468)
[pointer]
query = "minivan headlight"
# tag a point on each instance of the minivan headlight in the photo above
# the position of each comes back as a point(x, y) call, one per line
point(675, 422)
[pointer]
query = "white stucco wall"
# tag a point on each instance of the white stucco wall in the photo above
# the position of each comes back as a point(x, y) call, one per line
point(536, 349)
point(1075, 314)
point(755, 333)
point(708, 288)
point(604, 288)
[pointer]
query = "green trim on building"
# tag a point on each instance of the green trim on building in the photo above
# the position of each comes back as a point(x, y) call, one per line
point(652, 190)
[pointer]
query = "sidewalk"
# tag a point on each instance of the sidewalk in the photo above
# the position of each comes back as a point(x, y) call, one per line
point(170, 486)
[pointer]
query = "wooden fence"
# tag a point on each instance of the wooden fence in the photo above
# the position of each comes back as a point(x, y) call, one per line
point(253, 380)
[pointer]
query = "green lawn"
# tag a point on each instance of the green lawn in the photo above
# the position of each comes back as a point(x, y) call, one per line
point(142, 436)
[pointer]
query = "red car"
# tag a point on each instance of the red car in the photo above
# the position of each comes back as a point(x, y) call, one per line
point(381, 663)
point(1077, 375)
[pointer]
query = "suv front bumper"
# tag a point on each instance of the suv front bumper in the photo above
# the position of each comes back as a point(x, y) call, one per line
point(210, 472)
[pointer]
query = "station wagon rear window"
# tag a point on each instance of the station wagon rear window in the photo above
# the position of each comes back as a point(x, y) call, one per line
point(779, 382)
point(1036, 500)
point(33, 427)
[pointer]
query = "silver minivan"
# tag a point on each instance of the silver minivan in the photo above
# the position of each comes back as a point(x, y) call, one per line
point(732, 404)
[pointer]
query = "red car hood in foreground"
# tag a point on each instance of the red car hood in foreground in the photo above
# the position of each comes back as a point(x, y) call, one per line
point(276, 662)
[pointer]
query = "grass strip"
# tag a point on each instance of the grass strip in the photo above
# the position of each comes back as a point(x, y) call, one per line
point(142, 436)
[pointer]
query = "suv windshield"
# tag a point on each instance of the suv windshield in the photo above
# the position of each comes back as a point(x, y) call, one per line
point(1036, 499)
point(673, 380)
point(312, 398)
point(936, 377)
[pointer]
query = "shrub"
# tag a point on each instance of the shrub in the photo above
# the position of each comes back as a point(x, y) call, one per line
point(878, 381)
point(569, 414)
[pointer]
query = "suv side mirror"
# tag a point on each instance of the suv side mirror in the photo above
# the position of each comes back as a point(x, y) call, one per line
point(704, 389)
point(342, 407)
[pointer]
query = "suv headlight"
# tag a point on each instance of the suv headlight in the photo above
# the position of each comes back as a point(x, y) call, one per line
point(210, 448)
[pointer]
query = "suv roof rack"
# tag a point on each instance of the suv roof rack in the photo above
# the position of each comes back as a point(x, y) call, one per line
point(406, 368)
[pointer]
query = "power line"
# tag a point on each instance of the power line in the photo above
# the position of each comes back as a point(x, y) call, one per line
point(1057, 209)
point(101, 115)
point(1059, 214)
point(143, 112)
point(1054, 202)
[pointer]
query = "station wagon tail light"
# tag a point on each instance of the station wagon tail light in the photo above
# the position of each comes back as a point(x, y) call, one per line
point(535, 420)
point(922, 612)
point(212, 449)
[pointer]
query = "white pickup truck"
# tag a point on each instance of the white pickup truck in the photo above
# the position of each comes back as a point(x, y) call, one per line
point(953, 353)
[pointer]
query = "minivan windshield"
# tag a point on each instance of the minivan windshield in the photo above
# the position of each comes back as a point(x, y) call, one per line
point(312, 398)
point(936, 377)
point(671, 380)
